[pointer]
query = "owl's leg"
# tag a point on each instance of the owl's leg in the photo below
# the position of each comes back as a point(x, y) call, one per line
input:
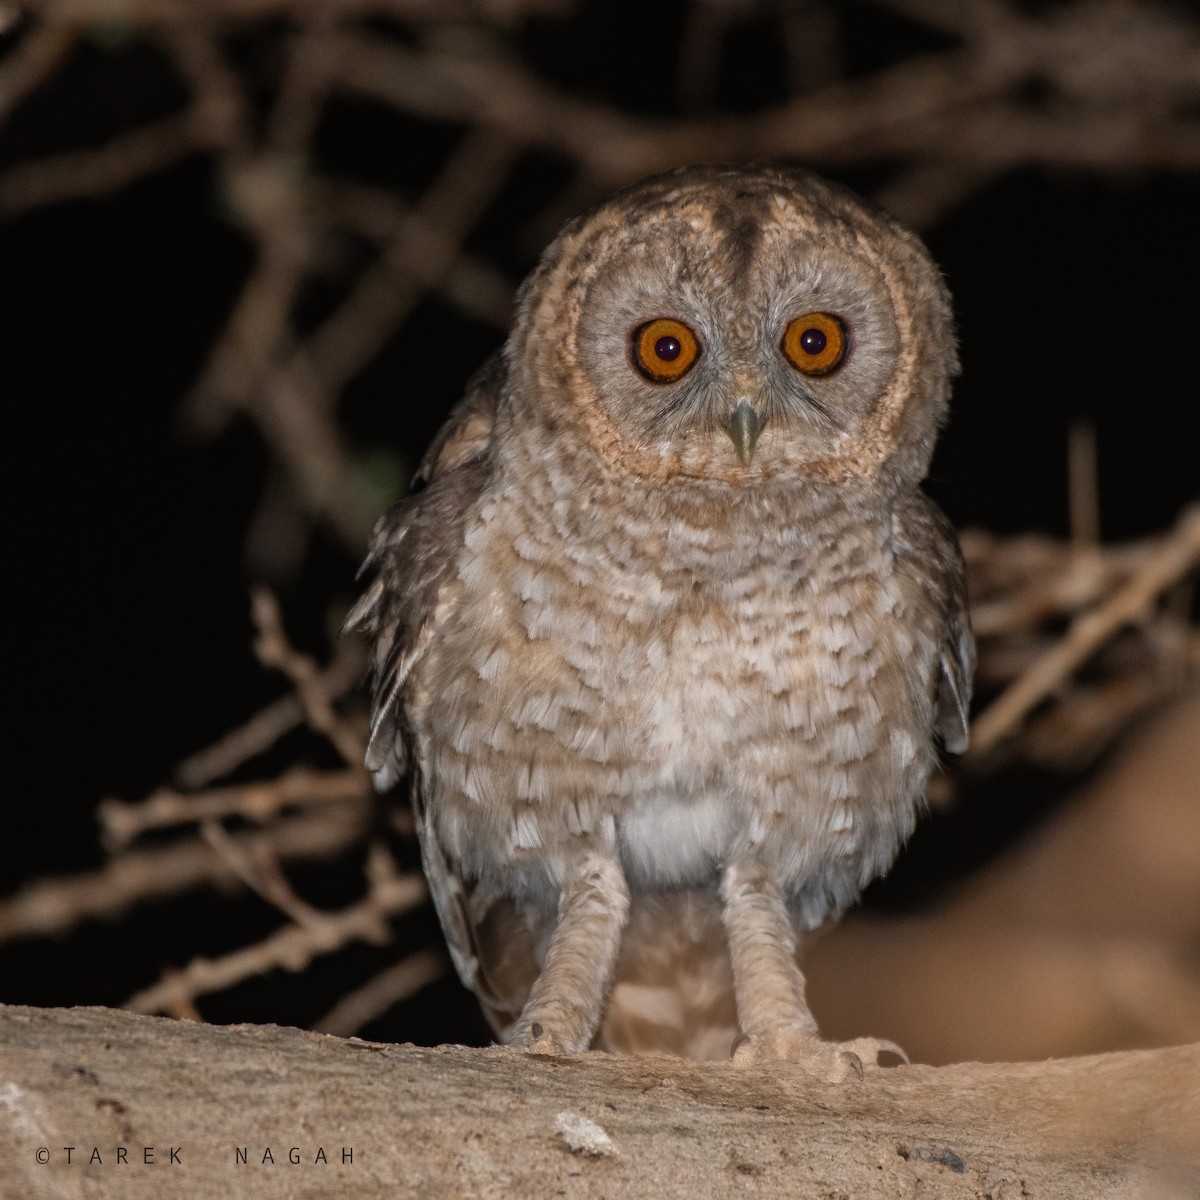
point(774, 1017)
point(564, 1008)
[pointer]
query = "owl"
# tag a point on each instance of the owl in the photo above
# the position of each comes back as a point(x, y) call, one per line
point(668, 639)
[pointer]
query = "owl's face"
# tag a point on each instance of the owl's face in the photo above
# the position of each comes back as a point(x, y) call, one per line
point(738, 325)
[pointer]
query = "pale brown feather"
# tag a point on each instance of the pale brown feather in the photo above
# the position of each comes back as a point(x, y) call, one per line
point(927, 549)
point(412, 553)
point(664, 709)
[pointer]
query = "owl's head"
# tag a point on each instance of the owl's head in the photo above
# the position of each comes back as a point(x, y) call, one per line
point(738, 324)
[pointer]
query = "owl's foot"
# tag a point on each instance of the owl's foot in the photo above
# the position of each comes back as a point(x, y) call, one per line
point(566, 1001)
point(536, 1038)
point(833, 1062)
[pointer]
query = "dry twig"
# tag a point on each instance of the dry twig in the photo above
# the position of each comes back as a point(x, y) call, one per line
point(274, 650)
point(269, 724)
point(259, 802)
point(53, 906)
point(261, 873)
point(293, 947)
point(1178, 555)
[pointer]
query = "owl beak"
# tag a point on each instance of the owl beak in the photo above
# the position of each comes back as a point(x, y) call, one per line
point(743, 427)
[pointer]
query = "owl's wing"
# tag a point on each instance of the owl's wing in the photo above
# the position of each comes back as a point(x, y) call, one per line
point(927, 551)
point(412, 553)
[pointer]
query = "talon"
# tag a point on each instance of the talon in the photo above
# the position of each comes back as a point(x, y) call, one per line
point(871, 1048)
point(542, 1043)
point(534, 1039)
point(835, 1062)
point(854, 1063)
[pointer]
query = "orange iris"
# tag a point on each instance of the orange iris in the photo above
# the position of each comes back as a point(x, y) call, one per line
point(664, 350)
point(815, 343)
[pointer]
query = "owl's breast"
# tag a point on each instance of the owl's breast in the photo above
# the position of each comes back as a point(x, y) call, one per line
point(676, 706)
point(793, 720)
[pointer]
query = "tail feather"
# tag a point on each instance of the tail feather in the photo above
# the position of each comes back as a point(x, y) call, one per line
point(674, 983)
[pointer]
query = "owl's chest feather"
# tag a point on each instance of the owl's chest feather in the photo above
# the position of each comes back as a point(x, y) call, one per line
point(672, 687)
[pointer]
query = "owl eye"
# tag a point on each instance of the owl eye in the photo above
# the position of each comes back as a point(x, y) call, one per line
point(815, 343)
point(664, 350)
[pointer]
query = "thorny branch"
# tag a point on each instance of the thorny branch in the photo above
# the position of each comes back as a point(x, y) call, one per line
point(361, 1006)
point(259, 802)
point(52, 906)
point(1179, 555)
point(274, 650)
point(265, 728)
point(293, 947)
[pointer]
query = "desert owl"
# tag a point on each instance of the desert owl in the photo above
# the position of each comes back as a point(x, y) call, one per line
point(665, 642)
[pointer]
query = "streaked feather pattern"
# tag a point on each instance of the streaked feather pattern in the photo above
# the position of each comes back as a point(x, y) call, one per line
point(662, 709)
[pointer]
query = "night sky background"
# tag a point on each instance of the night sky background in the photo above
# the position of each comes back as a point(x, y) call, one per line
point(126, 570)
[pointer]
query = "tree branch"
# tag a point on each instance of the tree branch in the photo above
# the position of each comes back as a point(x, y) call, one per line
point(453, 1121)
point(1179, 555)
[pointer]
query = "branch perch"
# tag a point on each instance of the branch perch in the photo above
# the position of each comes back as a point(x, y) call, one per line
point(492, 1123)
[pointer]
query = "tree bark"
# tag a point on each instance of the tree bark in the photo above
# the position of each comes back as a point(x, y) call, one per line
point(368, 1120)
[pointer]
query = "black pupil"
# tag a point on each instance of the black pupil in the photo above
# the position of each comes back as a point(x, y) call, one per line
point(667, 348)
point(812, 341)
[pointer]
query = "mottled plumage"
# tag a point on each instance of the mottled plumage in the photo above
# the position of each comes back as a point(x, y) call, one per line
point(665, 661)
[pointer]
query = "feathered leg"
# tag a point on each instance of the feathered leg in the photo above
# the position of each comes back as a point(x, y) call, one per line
point(565, 1006)
point(774, 1017)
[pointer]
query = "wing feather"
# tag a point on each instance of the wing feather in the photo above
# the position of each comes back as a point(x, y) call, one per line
point(927, 550)
point(413, 552)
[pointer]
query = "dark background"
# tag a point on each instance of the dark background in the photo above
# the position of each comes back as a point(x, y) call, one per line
point(126, 561)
